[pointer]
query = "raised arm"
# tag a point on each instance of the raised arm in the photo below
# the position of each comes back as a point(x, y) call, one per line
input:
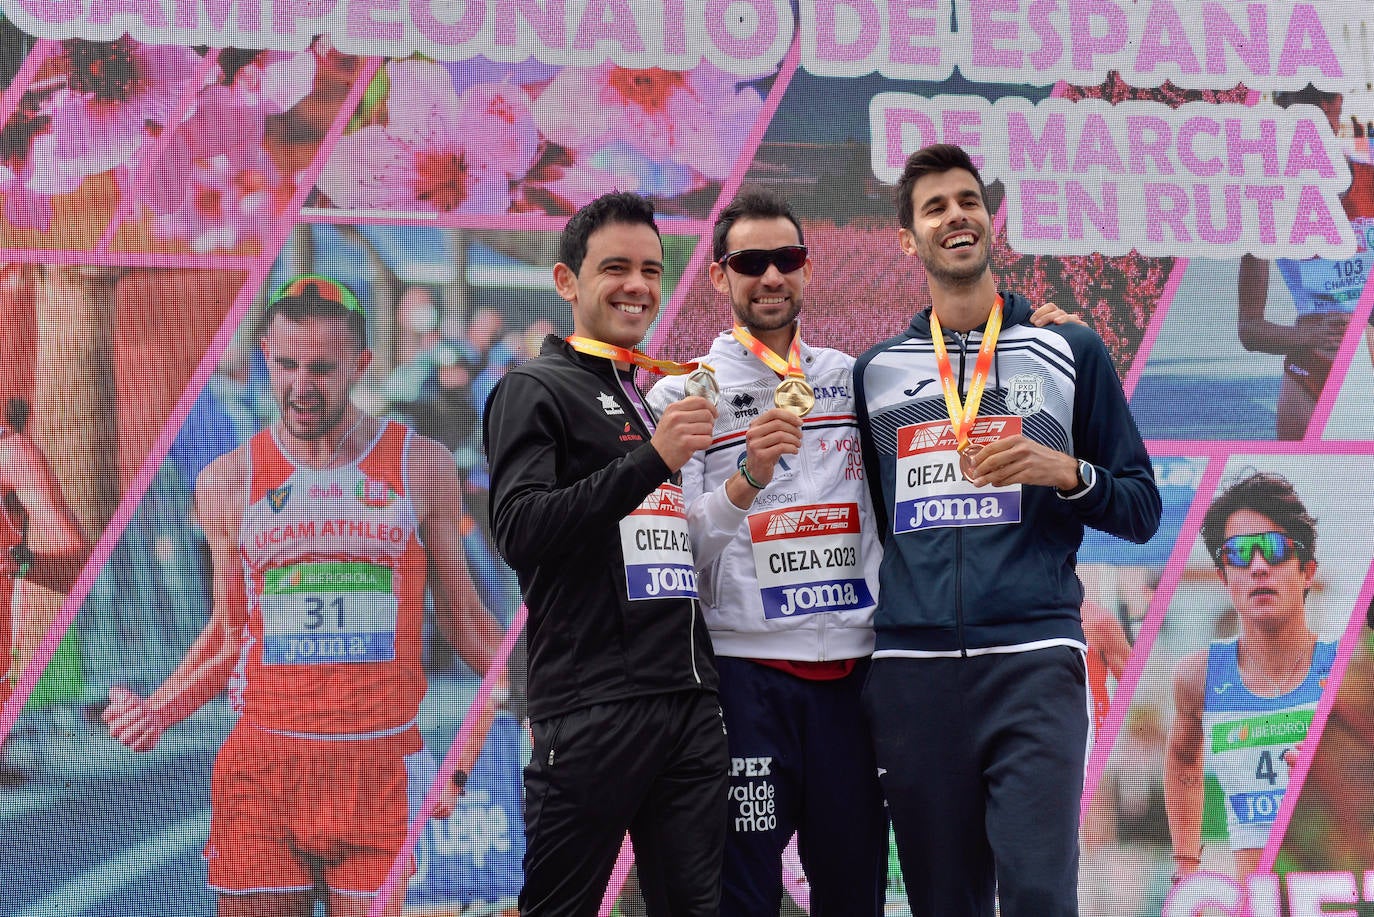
point(203, 673)
point(59, 548)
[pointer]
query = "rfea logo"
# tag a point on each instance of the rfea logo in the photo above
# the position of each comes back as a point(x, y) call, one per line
point(812, 520)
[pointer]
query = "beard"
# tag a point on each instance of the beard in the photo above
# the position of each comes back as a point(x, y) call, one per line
point(960, 277)
point(752, 319)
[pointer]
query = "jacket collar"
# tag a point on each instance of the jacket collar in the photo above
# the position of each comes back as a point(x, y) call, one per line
point(1016, 310)
point(557, 346)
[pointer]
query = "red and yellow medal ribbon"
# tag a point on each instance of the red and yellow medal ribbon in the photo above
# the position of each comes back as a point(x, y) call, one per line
point(961, 414)
point(596, 348)
point(789, 367)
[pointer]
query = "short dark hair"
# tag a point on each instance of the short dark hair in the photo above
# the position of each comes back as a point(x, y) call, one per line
point(931, 160)
point(615, 207)
point(1270, 495)
point(751, 203)
point(310, 302)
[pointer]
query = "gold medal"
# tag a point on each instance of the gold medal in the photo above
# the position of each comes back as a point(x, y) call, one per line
point(795, 394)
point(702, 384)
point(966, 459)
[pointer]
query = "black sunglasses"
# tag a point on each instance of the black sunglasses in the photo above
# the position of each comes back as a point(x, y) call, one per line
point(753, 262)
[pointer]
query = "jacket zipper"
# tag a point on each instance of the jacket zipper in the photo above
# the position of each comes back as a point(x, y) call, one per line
point(692, 641)
point(692, 608)
point(959, 532)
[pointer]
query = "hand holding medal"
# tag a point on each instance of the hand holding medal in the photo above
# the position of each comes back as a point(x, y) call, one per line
point(702, 384)
point(680, 432)
point(968, 459)
point(795, 394)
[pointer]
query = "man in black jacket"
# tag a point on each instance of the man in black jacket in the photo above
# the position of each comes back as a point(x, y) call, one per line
point(586, 508)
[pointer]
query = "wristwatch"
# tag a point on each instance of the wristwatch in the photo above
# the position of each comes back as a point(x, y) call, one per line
point(1087, 476)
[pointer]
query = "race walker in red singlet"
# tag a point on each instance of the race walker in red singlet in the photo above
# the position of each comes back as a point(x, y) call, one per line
point(330, 677)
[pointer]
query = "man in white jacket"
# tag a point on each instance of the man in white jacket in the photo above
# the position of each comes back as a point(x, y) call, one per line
point(787, 555)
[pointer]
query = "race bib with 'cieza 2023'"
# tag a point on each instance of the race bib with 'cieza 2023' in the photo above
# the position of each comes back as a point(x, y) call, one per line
point(657, 548)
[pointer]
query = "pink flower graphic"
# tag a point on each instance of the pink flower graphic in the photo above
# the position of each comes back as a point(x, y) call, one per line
point(24, 209)
point(229, 199)
point(435, 153)
point(696, 121)
point(501, 113)
point(276, 81)
point(117, 95)
point(213, 184)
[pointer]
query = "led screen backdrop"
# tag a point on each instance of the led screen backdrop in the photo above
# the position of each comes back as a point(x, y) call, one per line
point(1194, 179)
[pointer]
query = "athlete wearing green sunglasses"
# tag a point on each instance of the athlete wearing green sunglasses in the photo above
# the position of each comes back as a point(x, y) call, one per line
point(1242, 706)
point(1274, 547)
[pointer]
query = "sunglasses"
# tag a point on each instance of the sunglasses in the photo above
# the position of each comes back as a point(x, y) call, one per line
point(320, 287)
point(1275, 547)
point(753, 262)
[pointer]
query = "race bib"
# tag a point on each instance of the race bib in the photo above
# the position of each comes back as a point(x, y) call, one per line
point(1253, 749)
point(325, 612)
point(657, 549)
point(1334, 285)
point(809, 559)
point(931, 491)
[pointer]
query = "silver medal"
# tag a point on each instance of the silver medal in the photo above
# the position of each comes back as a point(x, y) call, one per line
point(702, 383)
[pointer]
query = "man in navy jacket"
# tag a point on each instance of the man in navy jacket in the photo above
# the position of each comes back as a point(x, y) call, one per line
point(988, 445)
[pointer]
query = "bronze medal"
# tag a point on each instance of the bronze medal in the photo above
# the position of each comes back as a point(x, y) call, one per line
point(795, 394)
point(966, 458)
point(702, 383)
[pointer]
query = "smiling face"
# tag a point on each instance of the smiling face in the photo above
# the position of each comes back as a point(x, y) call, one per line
point(951, 231)
point(771, 301)
point(615, 296)
point(1265, 596)
point(312, 364)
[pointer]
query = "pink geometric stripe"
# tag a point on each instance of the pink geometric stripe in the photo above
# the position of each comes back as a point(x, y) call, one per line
point(1351, 349)
point(1147, 343)
point(40, 52)
point(1349, 643)
point(1171, 576)
point(151, 151)
point(397, 876)
point(58, 256)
